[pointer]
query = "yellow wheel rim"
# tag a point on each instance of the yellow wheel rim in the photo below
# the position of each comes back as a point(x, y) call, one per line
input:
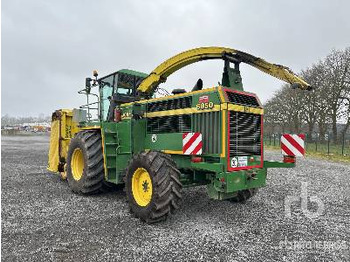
point(141, 187)
point(77, 164)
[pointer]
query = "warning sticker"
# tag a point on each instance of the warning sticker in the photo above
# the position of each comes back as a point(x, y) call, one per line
point(234, 162)
point(242, 161)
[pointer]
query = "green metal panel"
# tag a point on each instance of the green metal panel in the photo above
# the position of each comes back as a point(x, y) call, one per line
point(170, 141)
point(226, 184)
point(138, 135)
point(182, 161)
point(212, 167)
point(124, 149)
point(117, 144)
point(209, 124)
point(232, 77)
point(109, 132)
point(124, 137)
point(213, 97)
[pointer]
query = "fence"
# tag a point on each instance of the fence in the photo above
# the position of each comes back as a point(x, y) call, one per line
point(315, 144)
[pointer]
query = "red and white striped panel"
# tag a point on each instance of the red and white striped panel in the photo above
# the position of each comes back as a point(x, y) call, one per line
point(293, 145)
point(192, 143)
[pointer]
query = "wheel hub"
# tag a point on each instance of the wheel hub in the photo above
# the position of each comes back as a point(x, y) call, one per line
point(142, 187)
point(77, 164)
point(145, 186)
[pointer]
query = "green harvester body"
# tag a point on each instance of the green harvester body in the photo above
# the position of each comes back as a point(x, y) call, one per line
point(159, 124)
point(155, 146)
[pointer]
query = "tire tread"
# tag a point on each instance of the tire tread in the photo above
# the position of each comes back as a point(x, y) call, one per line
point(94, 177)
point(167, 187)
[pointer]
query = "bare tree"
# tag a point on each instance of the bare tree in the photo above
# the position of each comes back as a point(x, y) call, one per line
point(329, 103)
point(285, 109)
point(337, 66)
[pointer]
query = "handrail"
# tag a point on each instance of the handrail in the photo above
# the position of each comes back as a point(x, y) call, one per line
point(88, 104)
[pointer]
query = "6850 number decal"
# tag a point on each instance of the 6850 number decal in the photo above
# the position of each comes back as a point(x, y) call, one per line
point(203, 106)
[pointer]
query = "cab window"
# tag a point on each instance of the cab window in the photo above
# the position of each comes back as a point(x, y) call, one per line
point(105, 95)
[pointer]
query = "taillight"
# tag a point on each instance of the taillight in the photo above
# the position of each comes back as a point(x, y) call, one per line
point(289, 159)
point(196, 159)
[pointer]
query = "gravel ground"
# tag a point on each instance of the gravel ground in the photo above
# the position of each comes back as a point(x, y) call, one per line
point(43, 220)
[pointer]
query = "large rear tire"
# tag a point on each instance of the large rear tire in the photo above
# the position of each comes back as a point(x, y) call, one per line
point(152, 186)
point(85, 168)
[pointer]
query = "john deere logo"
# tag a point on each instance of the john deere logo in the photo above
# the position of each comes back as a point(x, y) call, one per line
point(154, 138)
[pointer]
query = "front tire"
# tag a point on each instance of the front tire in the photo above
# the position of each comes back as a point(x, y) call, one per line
point(152, 186)
point(85, 168)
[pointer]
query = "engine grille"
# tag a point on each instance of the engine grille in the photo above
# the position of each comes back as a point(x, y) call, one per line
point(178, 103)
point(245, 134)
point(242, 99)
point(209, 125)
point(169, 124)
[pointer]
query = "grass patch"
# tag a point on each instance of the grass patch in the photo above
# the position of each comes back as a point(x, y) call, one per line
point(322, 153)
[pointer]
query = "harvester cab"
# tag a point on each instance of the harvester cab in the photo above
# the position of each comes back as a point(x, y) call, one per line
point(113, 90)
point(156, 146)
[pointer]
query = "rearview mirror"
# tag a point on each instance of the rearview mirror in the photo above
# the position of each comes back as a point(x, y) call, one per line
point(88, 84)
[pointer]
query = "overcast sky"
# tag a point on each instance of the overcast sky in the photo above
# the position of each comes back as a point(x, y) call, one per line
point(49, 47)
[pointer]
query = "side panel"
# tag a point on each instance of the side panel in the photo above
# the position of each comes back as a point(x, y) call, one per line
point(171, 142)
point(119, 139)
point(110, 143)
point(54, 158)
point(138, 135)
point(63, 128)
point(123, 150)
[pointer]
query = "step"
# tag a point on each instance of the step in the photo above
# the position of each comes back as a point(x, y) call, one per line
point(111, 144)
point(110, 132)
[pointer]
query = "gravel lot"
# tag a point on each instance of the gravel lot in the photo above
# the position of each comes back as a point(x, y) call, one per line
point(43, 220)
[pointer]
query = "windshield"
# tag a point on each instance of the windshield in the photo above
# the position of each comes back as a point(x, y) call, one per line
point(124, 91)
point(109, 80)
point(122, 83)
point(105, 95)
